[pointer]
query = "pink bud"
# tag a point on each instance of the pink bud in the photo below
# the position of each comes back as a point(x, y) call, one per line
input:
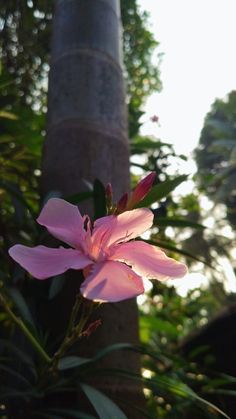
point(91, 328)
point(154, 118)
point(122, 203)
point(141, 190)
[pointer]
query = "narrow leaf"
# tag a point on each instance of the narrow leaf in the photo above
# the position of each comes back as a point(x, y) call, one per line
point(17, 352)
point(22, 307)
point(99, 196)
point(8, 115)
point(176, 222)
point(71, 413)
point(56, 286)
point(79, 197)
point(15, 374)
point(105, 407)
point(69, 362)
point(108, 349)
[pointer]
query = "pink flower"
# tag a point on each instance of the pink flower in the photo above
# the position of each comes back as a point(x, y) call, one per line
point(113, 266)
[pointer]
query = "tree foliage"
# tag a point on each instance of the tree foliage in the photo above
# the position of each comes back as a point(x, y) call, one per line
point(25, 31)
point(142, 75)
point(216, 155)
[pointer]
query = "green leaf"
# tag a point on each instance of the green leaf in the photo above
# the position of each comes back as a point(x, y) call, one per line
point(142, 144)
point(72, 361)
point(15, 374)
point(18, 353)
point(69, 362)
point(176, 222)
point(169, 385)
point(22, 307)
point(160, 191)
point(56, 286)
point(79, 197)
point(99, 199)
point(11, 189)
point(9, 393)
point(105, 407)
point(149, 324)
point(46, 415)
point(108, 349)
point(8, 115)
point(71, 413)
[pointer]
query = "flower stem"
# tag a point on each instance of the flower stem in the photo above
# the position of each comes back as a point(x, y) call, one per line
point(74, 332)
point(74, 313)
point(24, 329)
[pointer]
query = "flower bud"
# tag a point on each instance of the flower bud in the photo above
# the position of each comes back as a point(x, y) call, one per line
point(154, 118)
point(122, 203)
point(141, 190)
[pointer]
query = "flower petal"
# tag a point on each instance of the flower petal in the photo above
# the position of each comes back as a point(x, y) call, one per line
point(148, 260)
point(64, 221)
point(43, 262)
point(111, 282)
point(123, 227)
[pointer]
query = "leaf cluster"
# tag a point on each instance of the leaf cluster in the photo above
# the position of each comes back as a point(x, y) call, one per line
point(215, 155)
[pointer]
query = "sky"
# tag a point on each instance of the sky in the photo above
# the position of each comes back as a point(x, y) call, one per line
point(197, 38)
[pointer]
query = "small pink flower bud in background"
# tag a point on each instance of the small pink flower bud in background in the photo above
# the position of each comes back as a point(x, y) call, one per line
point(141, 190)
point(122, 203)
point(154, 118)
point(91, 328)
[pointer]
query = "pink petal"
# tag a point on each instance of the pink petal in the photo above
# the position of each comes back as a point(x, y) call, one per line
point(43, 262)
point(123, 227)
point(111, 282)
point(64, 221)
point(148, 260)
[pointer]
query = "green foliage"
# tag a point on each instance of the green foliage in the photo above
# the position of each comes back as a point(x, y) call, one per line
point(104, 407)
point(142, 75)
point(155, 155)
point(25, 35)
point(158, 192)
point(216, 153)
point(27, 57)
point(178, 386)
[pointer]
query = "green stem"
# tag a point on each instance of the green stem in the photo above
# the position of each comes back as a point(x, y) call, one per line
point(74, 332)
point(74, 313)
point(25, 330)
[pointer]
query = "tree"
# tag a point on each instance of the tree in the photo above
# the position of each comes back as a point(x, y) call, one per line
point(87, 139)
point(215, 155)
point(27, 57)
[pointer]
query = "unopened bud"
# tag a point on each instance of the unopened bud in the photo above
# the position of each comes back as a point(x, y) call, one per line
point(141, 190)
point(154, 118)
point(122, 203)
point(91, 328)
